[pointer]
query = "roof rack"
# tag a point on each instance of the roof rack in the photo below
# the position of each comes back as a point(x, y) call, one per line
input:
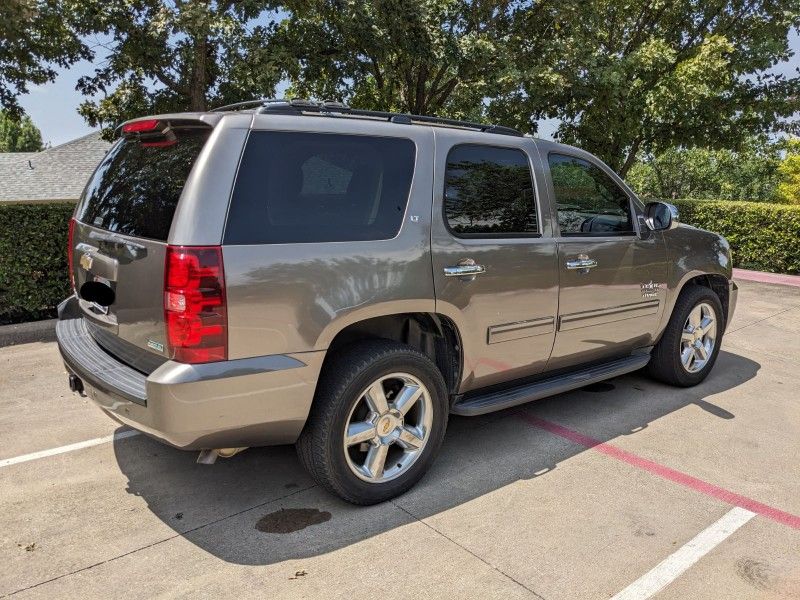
point(298, 106)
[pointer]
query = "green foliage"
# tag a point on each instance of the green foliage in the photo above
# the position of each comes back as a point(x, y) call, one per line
point(438, 57)
point(789, 172)
point(34, 276)
point(36, 36)
point(752, 173)
point(626, 77)
point(489, 197)
point(33, 260)
point(18, 134)
point(763, 236)
point(170, 56)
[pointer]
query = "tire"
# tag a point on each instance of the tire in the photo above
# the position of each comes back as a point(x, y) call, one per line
point(344, 398)
point(666, 363)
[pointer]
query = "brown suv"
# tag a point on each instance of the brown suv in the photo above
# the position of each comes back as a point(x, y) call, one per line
point(298, 272)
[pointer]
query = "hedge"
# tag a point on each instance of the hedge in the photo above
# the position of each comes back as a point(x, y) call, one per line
point(33, 241)
point(33, 260)
point(763, 236)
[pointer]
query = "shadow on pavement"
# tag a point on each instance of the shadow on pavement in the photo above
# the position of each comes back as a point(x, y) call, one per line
point(223, 508)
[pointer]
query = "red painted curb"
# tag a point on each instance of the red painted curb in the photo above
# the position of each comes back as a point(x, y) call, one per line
point(693, 483)
point(761, 277)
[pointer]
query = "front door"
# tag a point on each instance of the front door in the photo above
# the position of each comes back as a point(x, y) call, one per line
point(611, 275)
point(494, 258)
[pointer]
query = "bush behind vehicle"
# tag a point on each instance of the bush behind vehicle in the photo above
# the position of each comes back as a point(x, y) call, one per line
point(763, 236)
point(33, 262)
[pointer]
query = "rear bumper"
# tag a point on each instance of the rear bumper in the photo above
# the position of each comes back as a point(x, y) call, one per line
point(247, 402)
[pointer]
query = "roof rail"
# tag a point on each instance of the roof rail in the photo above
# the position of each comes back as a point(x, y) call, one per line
point(298, 106)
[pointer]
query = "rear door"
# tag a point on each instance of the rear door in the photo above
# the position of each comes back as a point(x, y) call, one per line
point(494, 260)
point(611, 274)
point(121, 227)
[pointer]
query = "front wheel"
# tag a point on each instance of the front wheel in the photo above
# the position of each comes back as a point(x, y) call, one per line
point(690, 344)
point(377, 423)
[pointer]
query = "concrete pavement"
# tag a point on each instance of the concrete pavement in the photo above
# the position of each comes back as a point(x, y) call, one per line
point(510, 509)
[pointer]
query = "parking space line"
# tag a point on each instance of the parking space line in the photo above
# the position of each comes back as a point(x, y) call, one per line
point(672, 567)
point(7, 462)
point(698, 485)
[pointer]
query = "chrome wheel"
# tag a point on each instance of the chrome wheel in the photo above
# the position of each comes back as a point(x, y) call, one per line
point(698, 338)
point(388, 427)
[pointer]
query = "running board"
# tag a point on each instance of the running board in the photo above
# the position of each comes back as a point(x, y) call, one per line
point(486, 403)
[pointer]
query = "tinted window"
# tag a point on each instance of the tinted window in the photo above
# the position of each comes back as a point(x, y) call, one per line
point(489, 191)
point(136, 187)
point(589, 202)
point(314, 187)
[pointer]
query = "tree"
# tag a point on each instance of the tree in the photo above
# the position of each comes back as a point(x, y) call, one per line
point(751, 173)
point(438, 57)
point(35, 37)
point(178, 55)
point(18, 134)
point(642, 76)
point(789, 172)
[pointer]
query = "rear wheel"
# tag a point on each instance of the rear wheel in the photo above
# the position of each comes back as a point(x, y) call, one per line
point(377, 423)
point(690, 344)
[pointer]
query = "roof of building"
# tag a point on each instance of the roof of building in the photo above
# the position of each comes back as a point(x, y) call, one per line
point(58, 173)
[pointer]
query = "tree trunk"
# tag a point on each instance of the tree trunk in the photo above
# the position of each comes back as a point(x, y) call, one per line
point(197, 86)
point(631, 158)
point(662, 188)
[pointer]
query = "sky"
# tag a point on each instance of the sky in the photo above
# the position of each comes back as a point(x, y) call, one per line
point(53, 106)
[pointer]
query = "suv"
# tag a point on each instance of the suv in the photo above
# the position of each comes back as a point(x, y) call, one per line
point(298, 272)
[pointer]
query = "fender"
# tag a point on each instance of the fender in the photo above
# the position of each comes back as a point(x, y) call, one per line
point(692, 252)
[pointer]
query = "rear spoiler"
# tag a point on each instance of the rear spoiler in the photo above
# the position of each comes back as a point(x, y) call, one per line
point(160, 125)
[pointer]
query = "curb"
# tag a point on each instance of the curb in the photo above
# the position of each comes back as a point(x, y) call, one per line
point(763, 277)
point(25, 333)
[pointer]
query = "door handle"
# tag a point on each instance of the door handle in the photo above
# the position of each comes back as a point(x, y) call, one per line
point(583, 262)
point(466, 268)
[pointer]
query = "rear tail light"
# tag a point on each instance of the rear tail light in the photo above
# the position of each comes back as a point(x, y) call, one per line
point(71, 252)
point(194, 304)
point(140, 126)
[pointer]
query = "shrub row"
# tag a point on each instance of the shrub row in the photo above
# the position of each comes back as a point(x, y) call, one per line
point(33, 241)
point(763, 236)
point(33, 260)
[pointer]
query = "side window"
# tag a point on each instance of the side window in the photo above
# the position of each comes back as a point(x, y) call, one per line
point(489, 192)
point(589, 202)
point(295, 187)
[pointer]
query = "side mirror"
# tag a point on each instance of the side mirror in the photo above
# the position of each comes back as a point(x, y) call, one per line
point(660, 215)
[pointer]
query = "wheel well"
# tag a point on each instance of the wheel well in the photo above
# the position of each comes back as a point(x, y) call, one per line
point(719, 285)
point(433, 334)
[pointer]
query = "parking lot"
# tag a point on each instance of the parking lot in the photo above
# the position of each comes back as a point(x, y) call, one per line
point(628, 485)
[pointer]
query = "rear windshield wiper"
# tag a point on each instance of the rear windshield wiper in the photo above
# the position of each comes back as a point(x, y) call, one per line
point(114, 239)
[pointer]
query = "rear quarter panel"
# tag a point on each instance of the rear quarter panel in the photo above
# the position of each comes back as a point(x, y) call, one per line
point(291, 298)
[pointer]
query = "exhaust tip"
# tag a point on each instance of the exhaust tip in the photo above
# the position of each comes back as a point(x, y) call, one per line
point(209, 455)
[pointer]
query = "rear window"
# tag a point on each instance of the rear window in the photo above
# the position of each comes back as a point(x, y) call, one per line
point(297, 187)
point(136, 187)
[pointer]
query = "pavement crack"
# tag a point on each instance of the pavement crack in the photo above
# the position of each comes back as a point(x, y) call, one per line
point(762, 320)
point(158, 542)
point(467, 550)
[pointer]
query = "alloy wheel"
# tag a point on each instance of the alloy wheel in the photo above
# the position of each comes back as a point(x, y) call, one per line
point(698, 338)
point(388, 427)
